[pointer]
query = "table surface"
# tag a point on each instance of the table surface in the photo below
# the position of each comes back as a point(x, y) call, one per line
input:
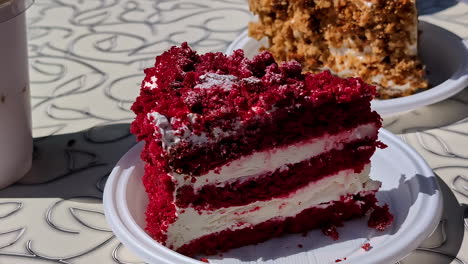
point(86, 61)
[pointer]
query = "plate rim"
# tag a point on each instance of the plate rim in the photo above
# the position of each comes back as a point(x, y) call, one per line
point(140, 243)
point(455, 83)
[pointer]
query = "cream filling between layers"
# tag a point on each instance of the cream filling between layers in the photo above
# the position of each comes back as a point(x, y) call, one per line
point(192, 224)
point(263, 162)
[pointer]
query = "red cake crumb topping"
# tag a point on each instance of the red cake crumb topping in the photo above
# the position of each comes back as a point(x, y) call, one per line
point(330, 230)
point(366, 246)
point(380, 218)
point(339, 260)
point(204, 260)
point(178, 72)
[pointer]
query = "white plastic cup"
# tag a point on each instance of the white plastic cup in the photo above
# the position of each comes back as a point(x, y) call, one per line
point(16, 145)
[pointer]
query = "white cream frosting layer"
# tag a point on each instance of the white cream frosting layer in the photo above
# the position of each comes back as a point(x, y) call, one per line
point(192, 224)
point(262, 162)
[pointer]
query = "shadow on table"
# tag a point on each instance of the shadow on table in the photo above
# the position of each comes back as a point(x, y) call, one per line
point(448, 112)
point(445, 243)
point(72, 165)
point(427, 7)
point(402, 199)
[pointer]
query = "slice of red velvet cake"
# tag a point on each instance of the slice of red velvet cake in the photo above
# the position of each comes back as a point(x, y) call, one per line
point(239, 151)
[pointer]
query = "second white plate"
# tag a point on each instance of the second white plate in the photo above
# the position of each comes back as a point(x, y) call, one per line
point(444, 54)
point(409, 187)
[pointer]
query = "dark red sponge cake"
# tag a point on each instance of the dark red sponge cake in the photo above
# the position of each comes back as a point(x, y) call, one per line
point(239, 151)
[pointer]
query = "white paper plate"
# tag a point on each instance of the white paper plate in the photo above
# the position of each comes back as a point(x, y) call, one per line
point(444, 54)
point(409, 187)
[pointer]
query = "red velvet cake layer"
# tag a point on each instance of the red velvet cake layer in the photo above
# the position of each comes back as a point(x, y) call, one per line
point(280, 182)
point(331, 216)
point(282, 131)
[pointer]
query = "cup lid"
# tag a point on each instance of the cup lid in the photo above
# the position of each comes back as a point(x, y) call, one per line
point(11, 8)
